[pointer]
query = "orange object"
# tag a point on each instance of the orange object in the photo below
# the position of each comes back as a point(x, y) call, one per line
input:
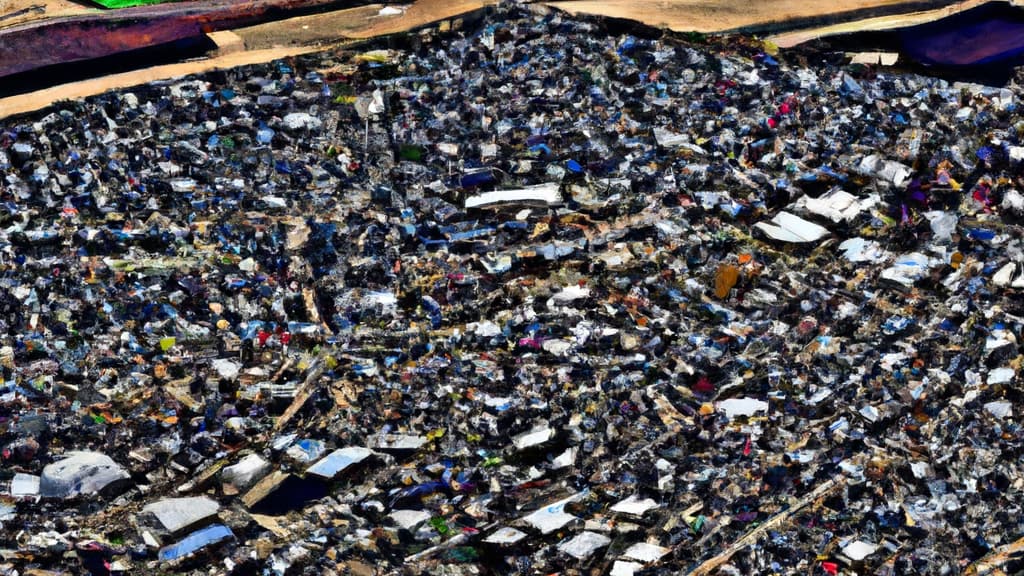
point(725, 280)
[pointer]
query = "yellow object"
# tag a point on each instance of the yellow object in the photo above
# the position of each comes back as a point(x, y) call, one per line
point(374, 56)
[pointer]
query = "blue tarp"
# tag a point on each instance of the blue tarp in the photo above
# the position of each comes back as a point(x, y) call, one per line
point(195, 541)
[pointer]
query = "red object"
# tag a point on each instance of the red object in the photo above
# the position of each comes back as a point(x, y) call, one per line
point(830, 567)
point(981, 194)
point(784, 108)
point(285, 338)
point(529, 343)
point(262, 337)
point(704, 385)
point(746, 447)
point(772, 123)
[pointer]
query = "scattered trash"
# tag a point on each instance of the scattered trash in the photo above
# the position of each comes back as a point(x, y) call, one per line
point(790, 228)
point(531, 294)
point(858, 550)
point(246, 472)
point(337, 461)
point(81, 474)
point(584, 544)
point(195, 542)
point(176, 514)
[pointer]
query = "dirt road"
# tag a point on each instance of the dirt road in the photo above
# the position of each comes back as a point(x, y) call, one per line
point(790, 39)
point(718, 15)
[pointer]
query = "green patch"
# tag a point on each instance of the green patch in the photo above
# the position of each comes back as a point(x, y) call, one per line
point(166, 343)
point(114, 4)
point(440, 525)
point(410, 152)
point(462, 554)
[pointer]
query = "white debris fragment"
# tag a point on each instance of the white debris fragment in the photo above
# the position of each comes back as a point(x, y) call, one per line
point(908, 268)
point(409, 519)
point(645, 552)
point(1000, 376)
point(635, 506)
point(734, 407)
point(398, 442)
point(887, 170)
point(301, 120)
point(505, 535)
point(546, 193)
point(999, 408)
point(621, 568)
point(567, 295)
point(858, 550)
point(565, 459)
point(788, 227)
point(485, 329)
point(549, 518)
point(227, 368)
point(336, 462)
point(80, 473)
point(533, 437)
point(24, 486)
point(837, 205)
point(246, 471)
point(1004, 275)
point(172, 515)
point(874, 58)
point(858, 249)
point(584, 544)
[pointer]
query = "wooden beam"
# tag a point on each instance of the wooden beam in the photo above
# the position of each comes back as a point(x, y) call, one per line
point(772, 523)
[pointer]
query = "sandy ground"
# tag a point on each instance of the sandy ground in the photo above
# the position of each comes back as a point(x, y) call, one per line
point(40, 9)
point(790, 39)
point(419, 14)
point(701, 15)
point(356, 23)
point(715, 15)
point(40, 99)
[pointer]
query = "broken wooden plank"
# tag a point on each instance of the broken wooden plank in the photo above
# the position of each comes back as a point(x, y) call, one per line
point(752, 536)
point(992, 563)
point(302, 395)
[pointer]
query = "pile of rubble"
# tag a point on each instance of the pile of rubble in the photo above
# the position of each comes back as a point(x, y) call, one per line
point(532, 294)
